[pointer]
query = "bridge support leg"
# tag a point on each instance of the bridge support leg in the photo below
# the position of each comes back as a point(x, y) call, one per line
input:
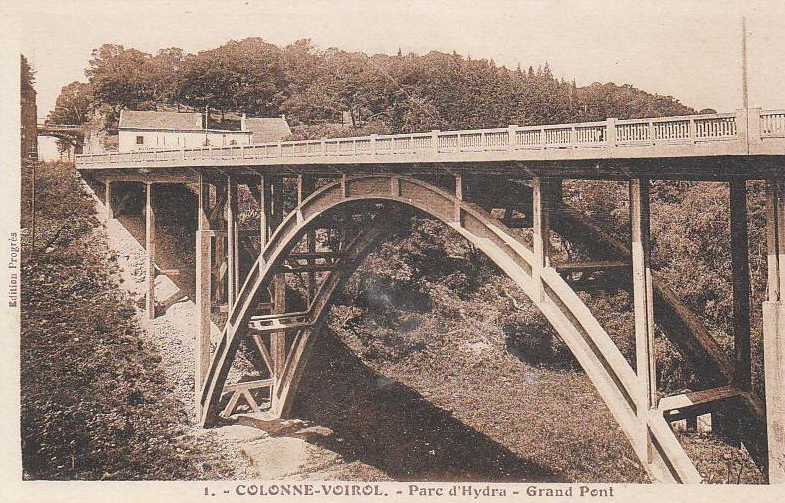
point(277, 339)
point(109, 211)
point(265, 210)
point(543, 205)
point(149, 252)
point(233, 262)
point(774, 331)
point(726, 420)
point(203, 291)
point(458, 198)
point(741, 283)
point(306, 184)
point(644, 309)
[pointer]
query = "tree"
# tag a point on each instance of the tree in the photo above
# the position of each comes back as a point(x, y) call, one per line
point(74, 104)
point(245, 76)
point(27, 75)
point(122, 78)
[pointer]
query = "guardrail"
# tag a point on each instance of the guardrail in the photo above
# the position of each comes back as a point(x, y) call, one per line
point(682, 130)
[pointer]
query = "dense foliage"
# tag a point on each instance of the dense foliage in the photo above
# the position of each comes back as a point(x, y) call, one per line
point(94, 400)
point(315, 86)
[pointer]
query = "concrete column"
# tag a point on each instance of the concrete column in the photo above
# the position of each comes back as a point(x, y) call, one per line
point(306, 184)
point(741, 283)
point(233, 261)
point(458, 197)
point(277, 339)
point(265, 209)
point(149, 252)
point(644, 307)
point(541, 216)
point(108, 210)
point(774, 331)
point(203, 290)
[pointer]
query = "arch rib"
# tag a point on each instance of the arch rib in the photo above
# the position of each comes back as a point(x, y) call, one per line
point(602, 361)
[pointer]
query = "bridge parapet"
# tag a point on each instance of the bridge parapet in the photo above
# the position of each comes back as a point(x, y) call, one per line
point(740, 133)
point(47, 125)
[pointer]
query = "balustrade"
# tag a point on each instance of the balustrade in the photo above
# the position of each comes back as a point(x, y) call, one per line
point(611, 133)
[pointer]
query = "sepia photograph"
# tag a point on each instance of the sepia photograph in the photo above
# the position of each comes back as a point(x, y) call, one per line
point(516, 250)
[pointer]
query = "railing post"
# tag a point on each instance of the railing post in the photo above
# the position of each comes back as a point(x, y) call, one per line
point(435, 140)
point(741, 125)
point(610, 132)
point(511, 130)
point(691, 130)
point(754, 128)
point(373, 144)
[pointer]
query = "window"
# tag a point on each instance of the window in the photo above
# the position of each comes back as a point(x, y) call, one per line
point(140, 140)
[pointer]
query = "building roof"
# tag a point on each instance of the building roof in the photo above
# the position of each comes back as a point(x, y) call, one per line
point(267, 129)
point(133, 119)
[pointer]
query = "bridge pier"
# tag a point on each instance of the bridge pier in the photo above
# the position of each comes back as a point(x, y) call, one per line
point(108, 208)
point(232, 243)
point(306, 184)
point(149, 251)
point(725, 419)
point(542, 208)
point(774, 330)
point(643, 294)
point(278, 294)
point(203, 288)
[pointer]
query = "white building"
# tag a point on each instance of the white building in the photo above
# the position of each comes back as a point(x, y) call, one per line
point(148, 130)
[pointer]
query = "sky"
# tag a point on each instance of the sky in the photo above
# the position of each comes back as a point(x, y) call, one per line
point(688, 49)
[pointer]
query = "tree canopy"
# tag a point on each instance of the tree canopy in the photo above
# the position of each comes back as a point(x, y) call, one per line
point(313, 86)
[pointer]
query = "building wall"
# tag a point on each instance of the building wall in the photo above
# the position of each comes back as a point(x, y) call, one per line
point(127, 141)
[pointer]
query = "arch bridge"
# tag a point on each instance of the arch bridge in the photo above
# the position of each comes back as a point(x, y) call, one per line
point(73, 134)
point(350, 192)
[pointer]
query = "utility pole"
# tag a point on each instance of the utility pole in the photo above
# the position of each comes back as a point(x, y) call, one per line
point(744, 95)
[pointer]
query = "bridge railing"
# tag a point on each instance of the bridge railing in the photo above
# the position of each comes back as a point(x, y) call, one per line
point(48, 125)
point(688, 129)
point(772, 124)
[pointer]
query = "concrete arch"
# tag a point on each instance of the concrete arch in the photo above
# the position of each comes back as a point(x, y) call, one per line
point(616, 382)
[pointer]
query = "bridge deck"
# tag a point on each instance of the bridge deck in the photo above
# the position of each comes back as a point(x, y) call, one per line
point(714, 139)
